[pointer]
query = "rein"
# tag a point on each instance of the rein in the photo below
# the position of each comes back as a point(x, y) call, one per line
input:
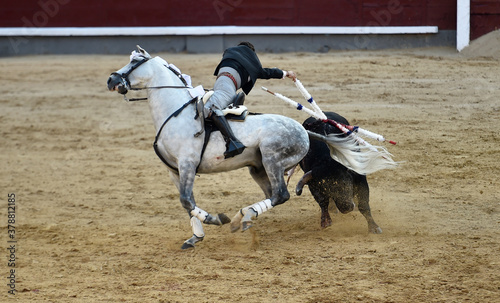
point(155, 144)
point(149, 87)
point(125, 75)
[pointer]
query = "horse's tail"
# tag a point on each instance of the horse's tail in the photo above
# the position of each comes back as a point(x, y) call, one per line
point(363, 159)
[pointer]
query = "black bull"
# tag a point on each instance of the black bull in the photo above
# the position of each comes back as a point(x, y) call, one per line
point(329, 180)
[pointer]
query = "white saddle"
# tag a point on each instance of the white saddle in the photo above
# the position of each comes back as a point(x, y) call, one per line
point(234, 110)
point(231, 109)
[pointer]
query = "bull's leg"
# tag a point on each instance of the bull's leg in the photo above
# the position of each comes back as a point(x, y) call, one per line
point(184, 182)
point(362, 197)
point(326, 220)
point(303, 181)
point(323, 200)
point(323, 203)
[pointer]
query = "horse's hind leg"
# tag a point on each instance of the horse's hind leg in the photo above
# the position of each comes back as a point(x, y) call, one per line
point(279, 194)
point(260, 176)
point(286, 145)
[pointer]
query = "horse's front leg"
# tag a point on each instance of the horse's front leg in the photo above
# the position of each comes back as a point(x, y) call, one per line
point(185, 182)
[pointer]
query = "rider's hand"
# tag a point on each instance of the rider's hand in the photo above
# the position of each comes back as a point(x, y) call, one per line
point(291, 74)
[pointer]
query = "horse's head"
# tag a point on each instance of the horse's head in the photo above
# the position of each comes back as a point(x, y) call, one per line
point(122, 80)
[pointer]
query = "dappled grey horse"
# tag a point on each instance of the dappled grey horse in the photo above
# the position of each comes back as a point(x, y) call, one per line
point(273, 143)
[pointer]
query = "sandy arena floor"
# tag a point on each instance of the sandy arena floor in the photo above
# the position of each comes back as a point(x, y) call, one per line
point(98, 220)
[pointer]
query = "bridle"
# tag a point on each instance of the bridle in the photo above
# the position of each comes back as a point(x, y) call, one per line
point(126, 82)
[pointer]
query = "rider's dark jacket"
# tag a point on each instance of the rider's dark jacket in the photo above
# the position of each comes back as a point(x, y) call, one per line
point(244, 60)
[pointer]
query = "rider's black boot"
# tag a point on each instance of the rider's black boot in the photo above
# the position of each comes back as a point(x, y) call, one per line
point(239, 99)
point(234, 146)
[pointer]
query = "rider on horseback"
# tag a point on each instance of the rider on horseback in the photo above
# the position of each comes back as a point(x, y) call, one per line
point(239, 68)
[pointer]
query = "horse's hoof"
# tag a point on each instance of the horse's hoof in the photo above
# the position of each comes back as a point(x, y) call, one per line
point(235, 227)
point(224, 219)
point(187, 245)
point(246, 225)
point(298, 191)
point(235, 222)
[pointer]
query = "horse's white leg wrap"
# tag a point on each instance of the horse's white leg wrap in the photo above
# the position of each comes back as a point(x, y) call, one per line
point(262, 206)
point(198, 234)
point(197, 227)
point(199, 213)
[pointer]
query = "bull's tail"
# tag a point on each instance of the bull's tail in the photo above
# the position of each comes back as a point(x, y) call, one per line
point(363, 159)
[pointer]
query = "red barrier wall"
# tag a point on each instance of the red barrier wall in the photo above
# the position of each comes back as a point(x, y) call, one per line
point(62, 13)
point(485, 17)
point(485, 14)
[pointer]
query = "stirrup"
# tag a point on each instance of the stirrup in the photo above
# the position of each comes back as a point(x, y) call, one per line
point(234, 148)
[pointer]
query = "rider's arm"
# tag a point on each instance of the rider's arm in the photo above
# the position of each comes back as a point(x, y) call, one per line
point(276, 73)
